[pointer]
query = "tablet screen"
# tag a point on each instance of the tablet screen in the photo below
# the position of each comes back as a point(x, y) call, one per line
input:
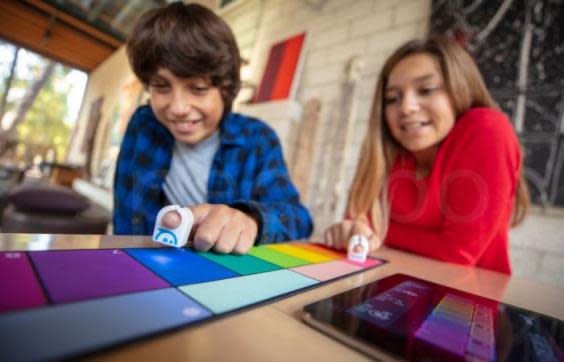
point(419, 320)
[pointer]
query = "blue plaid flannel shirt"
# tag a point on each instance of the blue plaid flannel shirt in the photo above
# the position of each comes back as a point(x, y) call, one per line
point(248, 173)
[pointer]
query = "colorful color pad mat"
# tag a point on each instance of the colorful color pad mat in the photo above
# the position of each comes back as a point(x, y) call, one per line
point(64, 303)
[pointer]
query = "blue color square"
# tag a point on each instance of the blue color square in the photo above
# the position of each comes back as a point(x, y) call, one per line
point(180, 266)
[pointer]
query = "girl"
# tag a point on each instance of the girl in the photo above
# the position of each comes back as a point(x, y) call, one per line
point(440, 168)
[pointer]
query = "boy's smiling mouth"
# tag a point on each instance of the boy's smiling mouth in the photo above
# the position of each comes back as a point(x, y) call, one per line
point(185, 126)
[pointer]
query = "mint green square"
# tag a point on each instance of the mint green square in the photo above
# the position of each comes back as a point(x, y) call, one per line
point(276, 257)
point(242, 264)
point(225, 295)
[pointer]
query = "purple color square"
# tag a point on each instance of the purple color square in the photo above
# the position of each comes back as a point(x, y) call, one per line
point(19, 287)
point(484, 335)
point(450, 329)
point(481, 349)
point(73, 275)
point(451, 322)
point(442, 339)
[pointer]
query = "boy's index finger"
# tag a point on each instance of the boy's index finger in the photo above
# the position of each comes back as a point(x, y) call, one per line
point(200, 212)
point(171, 220)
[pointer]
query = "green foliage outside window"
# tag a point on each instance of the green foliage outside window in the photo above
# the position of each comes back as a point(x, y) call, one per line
point(47, 123)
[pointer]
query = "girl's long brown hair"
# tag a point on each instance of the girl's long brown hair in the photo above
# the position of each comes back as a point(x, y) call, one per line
point(466, 89)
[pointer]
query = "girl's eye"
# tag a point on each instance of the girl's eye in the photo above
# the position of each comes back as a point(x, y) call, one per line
point(390, 100)
point(426, 91)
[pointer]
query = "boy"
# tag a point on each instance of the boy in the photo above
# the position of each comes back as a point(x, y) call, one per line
point(188, 148)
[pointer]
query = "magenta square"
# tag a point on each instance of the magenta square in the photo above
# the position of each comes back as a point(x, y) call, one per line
point(73, 275)
point(369, 263)
point(19, 287)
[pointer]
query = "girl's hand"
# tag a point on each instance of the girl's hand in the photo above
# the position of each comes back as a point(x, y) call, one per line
point(337, 236)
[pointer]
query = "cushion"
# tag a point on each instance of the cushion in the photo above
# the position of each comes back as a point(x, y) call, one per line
point(47, 198)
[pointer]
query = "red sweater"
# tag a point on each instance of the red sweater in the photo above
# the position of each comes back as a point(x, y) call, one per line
point(460, 212)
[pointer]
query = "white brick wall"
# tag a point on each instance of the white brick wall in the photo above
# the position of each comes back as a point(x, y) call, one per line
point(372, 24)
point(340, 53)
point(328, 37)
point(322, 75)
point(409, 12)
point(243, 18)
point(390, 39)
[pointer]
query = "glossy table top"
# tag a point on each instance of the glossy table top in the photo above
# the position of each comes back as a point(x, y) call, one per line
point(275, 332)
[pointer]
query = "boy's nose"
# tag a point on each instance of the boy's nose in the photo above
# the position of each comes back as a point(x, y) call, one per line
point(180, 105)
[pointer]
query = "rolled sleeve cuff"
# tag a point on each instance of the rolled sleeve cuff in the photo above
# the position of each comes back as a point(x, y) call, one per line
point(265, 233)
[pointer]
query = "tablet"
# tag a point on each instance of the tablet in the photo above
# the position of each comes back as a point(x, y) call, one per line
point(405, 318)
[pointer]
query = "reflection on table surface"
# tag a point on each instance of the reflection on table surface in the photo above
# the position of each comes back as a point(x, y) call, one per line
point(10, 242)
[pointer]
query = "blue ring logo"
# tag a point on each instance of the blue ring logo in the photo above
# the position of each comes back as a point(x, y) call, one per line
point(163, 237)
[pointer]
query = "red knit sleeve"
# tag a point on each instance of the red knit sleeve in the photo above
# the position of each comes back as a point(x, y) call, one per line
point(480, 168)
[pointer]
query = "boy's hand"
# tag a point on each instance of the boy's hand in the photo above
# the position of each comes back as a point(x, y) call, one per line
point(338, 235)
point(225, 229)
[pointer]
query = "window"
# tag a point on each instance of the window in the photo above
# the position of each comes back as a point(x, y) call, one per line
point(39, 104)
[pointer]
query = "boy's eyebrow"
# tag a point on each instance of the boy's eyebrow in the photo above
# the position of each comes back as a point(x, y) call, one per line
point(419, 79)
point(156, 77)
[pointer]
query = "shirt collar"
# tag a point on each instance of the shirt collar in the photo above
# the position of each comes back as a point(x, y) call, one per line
point(232, 131)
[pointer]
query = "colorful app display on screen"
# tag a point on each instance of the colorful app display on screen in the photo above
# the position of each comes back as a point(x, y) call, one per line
point(419, 320)
point(60, 304)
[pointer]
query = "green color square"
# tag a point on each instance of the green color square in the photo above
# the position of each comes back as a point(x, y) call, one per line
point(276, 257)
point(242, 264)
